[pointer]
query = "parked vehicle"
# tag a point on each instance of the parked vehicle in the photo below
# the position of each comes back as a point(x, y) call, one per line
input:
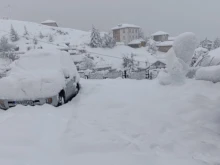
point(40, 77)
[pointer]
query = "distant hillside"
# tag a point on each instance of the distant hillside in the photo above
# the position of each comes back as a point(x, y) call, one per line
point(73, 37)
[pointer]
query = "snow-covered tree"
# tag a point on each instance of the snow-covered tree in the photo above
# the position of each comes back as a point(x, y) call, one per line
point(129, 62)
point(13, 35)
point(96, 40)
point(141, 34)
point(50, 38)
point(151, 46)
point(87, 63)
point(216, 43)
point(4, 45)
point(35, 41)
point(108, 41)
point(26, 33)
point(41, 36)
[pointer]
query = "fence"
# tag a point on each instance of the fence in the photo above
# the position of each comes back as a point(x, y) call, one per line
point(139, 75)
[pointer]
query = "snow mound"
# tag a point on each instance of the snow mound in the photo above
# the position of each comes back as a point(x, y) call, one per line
point(184, 46)
point(211, 73)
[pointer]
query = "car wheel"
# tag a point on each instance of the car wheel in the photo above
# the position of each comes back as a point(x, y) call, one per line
point(61, 99)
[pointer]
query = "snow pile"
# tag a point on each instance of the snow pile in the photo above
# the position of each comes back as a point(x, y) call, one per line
point(211, 73)
point(184, 46)
point(37, 74)
point(178, 59)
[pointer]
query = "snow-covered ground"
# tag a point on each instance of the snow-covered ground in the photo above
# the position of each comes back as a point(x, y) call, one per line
point(120, 122)
point(76, 38)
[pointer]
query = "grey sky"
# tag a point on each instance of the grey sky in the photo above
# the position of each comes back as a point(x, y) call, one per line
point(172, 16)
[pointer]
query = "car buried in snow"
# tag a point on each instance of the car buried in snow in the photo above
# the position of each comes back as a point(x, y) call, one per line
point(40, 77)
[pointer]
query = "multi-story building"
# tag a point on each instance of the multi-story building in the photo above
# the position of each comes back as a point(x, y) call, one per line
point(126, 33)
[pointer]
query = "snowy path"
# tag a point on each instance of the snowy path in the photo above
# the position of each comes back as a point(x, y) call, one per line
point(118, 122)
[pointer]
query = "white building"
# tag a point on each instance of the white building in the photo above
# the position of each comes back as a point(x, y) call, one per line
point(125, 33)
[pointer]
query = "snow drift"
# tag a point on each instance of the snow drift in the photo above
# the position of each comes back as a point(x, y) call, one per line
point(211, 73)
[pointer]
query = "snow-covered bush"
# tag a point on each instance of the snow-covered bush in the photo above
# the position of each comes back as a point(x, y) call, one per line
point(129, 62)
point(87, 63)
point(108, 41)
point(178, 59)
point(199, 55)
point(211, 73)
point(216, 43)
point(96, 40)
point(50, 38)
point(151, 46)
point(13, 35)
point(25, 31)
point(5, 46)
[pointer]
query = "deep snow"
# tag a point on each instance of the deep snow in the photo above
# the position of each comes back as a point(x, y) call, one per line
point(120, 122)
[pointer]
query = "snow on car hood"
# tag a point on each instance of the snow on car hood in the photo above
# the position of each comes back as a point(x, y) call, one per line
point(37, 74)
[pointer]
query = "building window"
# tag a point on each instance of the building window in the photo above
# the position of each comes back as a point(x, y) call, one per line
point(123, 30)
point(123, 37)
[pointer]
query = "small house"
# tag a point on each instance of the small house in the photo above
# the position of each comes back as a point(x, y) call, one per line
point(159, 64)
point(137, 43)
point(50, 23)
point(160, 36)
point(164, 46)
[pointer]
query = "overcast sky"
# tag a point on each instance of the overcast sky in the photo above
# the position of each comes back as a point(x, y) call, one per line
point(172, 16)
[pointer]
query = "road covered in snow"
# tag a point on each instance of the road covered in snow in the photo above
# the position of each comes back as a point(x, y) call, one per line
point(120, 122)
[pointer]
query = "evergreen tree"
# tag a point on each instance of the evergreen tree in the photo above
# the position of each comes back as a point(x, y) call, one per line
point(13, 35)
point(25, 31)
point(51, 39)
point(35, 41)
point(95, 38)
point(4, 45)
point(41, 36)
point(216, 43)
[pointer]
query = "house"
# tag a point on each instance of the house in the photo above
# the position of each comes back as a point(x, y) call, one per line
point(206, 44)
point(126, 33)
point(159, 64)
point(164, 46)
point(160, 36)
point(137, 43)
point(50, 23)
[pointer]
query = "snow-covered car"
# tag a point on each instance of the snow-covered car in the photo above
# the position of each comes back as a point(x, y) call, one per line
point(40, 77)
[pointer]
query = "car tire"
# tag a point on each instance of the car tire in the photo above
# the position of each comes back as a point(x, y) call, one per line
point(61, 99)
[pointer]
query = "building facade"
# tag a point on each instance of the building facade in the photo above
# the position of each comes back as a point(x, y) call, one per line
point(160, 36)
point(126, 33)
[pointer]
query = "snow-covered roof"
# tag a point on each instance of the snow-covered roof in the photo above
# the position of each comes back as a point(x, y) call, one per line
point(137, 41)
point(122, 26)
point(160, 33)
point(165, 43)
point(49, 21)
